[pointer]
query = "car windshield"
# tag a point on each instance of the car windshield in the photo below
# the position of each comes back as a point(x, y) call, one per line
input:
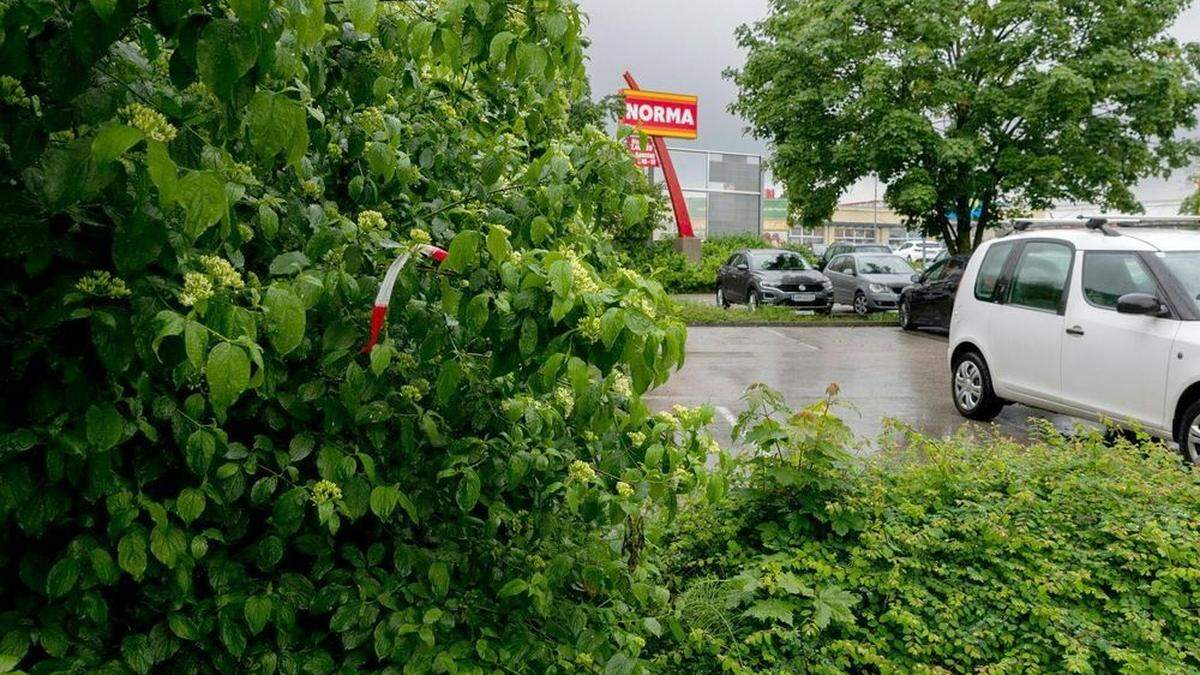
point(883, 264)
point(874, 248)
point(784, 261)
point(1185, 265)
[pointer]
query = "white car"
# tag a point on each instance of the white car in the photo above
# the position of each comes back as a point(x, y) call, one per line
point(1096, 322)
point(925, 251)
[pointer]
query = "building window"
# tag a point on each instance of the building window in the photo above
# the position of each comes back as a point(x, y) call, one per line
point(854, 235)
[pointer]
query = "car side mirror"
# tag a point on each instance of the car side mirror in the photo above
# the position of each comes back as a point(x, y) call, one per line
point(1140, 303)
point(742, 267)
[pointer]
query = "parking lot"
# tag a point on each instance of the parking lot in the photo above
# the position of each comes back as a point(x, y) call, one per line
point(883, 372)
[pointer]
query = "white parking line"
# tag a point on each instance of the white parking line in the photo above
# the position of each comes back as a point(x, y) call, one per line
point(789, 337)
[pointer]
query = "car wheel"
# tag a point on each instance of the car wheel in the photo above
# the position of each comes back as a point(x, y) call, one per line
point(971, 386)
point(721, 301)
point(1188, 434)
point(752, 300)
point(906, 316)
point(861, 307)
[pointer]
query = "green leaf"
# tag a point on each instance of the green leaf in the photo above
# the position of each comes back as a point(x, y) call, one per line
point(104, 8)
point(833, 604)
point(611, 324)
point(560, 277)
point(634, 209)
point(449, 376)
point(287, 264)
point(169, 323)
point(498, 51)
point(183, 627)
point(513, 587)
point(104, 567)
point(202, 195)
point(419, 38)
point(163, 172)
point(195, 342)
point(113, 140)
point(540, 229)
point(228, 375)
point(226, 51)
point(62, 577)
point(289, 510)
point(309, 23)
point(277, 125)
point(384, 500)
point(464, 252)
point(468, 490)
point(167, 543)
point(250, 11)
point(772, 609)
point(285, 319)
point(257, 611)
point(190, 504)
point(528, 340)
point(105, 426)
point(131, 554)
point(362, 14)
point(439, 578)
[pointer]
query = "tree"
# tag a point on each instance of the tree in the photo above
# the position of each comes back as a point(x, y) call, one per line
point(969, 111)
point(1191, 204)
point(200, 471)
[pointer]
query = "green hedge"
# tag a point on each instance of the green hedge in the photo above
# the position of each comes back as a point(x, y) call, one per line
point(661, 262)
point(945, 556)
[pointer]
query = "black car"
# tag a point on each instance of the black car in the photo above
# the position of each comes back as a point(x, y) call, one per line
point(928, 302)
point(772, 277)
point(837, 248)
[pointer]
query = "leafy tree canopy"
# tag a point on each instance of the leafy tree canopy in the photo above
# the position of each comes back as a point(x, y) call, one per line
point(199, 470)
point(969, 111)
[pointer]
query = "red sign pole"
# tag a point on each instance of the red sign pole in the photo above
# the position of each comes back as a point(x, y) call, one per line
point(683, 222)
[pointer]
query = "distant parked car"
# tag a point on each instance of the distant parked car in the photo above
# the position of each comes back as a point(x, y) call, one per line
point(925, 251)
point(869, 281)
point(772, 277)
point(928, 302)
point(838, 248)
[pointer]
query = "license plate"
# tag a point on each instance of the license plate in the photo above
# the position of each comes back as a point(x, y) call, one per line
point(804, 297)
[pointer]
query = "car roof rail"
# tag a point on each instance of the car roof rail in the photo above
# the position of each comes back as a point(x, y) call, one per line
point(1105, 224)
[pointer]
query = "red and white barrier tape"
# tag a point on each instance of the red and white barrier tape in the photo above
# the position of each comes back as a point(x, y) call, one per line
point(384, 297)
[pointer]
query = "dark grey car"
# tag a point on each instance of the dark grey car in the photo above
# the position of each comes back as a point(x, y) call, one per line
point(869, 281)
point(772, 277)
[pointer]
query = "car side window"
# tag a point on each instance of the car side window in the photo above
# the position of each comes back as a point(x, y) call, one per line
point(953, 268)
point(1108, 276)
point(1041, 275)
point(989, 271)
point(732, 260)
point(936, 272)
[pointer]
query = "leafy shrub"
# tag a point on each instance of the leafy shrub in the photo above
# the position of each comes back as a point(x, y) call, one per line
point(707, 313)
point(677, 274)
point(945, 556)
point(199, 470)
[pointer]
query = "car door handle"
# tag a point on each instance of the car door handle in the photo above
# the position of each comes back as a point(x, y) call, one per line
point(1077, 331)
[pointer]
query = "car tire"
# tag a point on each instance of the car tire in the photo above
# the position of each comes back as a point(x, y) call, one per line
point(752, 300)
point(721, 301)
point(971, 388)
point(1188, 433)
point(861, 307)
point(906, 321)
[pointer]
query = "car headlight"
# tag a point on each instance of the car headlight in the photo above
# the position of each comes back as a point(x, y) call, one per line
point(877, 288)
point(827, 284)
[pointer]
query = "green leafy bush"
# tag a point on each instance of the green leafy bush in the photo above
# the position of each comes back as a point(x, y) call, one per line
point(708, 313)
point(677, 274)
point(199, 470)
point(955, 555)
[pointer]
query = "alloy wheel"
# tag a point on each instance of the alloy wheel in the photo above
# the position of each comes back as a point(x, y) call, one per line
point(1191, 444)
point(860, 304)
point(753, 300)
point(904, 314)
point(721, 298)
point(968, 388)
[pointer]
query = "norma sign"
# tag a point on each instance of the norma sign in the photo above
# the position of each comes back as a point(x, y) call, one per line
point(660, 114)
point(644, 159)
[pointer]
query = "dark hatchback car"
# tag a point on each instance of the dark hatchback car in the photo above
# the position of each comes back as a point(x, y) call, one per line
point(928, 302)
point(772, 277)
point(839, 247)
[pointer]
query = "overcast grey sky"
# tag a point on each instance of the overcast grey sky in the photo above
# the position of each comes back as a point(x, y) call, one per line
point(684, 45)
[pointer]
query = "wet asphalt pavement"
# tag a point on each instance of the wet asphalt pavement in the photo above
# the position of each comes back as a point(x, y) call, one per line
point(881, 371)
